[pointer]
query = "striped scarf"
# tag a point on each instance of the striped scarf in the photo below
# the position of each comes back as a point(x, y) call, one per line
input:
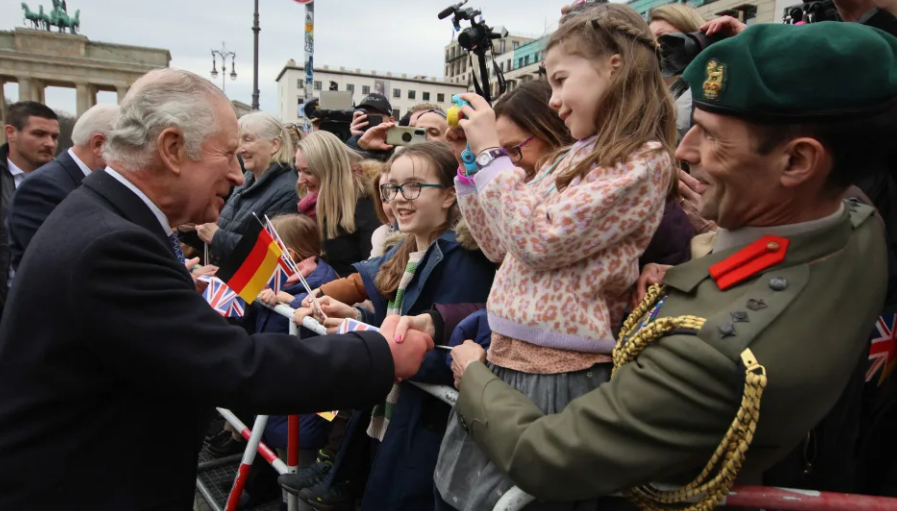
point(382, 413)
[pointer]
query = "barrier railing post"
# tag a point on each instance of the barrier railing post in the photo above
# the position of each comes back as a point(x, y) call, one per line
point(233, 501)
point(293, 443)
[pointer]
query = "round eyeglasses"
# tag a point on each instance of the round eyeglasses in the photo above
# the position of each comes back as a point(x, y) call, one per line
point(410, 191)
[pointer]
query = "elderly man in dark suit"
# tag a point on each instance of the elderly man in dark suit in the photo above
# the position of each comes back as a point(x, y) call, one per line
point(106, 347)
point(45, 188)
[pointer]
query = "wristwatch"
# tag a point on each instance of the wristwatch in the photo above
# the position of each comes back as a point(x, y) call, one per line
point(485, 158)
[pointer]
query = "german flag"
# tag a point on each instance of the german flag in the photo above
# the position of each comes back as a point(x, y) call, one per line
point(251, 264)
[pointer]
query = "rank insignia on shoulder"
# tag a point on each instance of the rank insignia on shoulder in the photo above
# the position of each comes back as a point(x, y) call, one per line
point(749, 261)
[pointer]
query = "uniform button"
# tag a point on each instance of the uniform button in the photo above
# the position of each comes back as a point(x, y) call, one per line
point(727, 330)
point(778, 284)
point(772, 246)
point(462, 421)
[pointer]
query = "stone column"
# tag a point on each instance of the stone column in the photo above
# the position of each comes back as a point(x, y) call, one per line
point(25, 89)
point(87, 97)
point(37, 91)
point(122, 91)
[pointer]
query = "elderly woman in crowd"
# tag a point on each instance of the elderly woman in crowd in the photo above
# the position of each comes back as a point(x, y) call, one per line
point(269, 187)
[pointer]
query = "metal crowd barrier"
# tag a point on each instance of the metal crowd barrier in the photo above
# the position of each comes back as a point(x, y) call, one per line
point(515, 499)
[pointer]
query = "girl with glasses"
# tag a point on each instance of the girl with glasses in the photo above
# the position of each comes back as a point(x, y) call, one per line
point(433, 263)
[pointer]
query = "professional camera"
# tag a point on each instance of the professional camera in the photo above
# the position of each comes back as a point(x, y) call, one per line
point(334, 121)
point(477, 39)
point(810, 11)
point(677, 50)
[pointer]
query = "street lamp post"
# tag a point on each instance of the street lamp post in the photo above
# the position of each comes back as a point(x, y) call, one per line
point(255, 59)
point(224, 54)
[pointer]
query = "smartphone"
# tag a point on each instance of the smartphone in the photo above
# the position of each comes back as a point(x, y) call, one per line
point(374, 120)
point(401, 135)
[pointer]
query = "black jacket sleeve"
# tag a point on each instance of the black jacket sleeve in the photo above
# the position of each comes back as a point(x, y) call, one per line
point(147, 324)
point(32, 203)
point(366, 222)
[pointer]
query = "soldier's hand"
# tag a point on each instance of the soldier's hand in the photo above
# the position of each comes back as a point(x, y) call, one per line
point(691, 202)
point(652, 274)
point(463, 356)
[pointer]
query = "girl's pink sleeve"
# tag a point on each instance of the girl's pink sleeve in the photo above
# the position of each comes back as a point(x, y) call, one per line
point(481, 230)
point(601, 210)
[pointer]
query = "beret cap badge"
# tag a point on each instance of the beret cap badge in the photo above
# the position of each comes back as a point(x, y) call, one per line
point(713, 85)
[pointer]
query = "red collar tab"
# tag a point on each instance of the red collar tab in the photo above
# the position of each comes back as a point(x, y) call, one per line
point(749, 261)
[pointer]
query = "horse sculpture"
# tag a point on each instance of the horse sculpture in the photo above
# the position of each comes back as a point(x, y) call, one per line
point(58, 17)
point(33, 17)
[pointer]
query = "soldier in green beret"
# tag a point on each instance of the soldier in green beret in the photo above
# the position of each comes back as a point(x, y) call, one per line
point(720, 371)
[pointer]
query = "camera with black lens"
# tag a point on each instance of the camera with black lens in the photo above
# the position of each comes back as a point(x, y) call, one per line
point(677, 50)
point(332, 120)
point(810, 11)
point(477, 39)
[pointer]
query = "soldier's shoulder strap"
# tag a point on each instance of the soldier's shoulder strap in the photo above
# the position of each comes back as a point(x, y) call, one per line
point(736, 326)
point(859, 212)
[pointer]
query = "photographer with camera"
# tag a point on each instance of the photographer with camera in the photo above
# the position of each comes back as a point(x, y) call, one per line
point(372, 143)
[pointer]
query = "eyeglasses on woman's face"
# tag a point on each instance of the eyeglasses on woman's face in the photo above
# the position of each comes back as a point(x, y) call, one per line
point(410, 191)
point(516, 152)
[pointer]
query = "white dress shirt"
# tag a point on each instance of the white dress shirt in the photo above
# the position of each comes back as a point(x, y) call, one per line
point(84, 168)
point(18, 175)
point(160, 216)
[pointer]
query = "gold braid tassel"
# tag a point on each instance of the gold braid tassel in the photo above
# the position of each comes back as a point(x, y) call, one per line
point(718, 477)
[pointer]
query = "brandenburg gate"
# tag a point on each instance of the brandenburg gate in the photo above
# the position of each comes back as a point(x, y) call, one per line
point(40, 58)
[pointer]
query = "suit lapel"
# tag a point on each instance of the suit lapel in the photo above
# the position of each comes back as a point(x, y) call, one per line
point(127, 203)
point(71, 167)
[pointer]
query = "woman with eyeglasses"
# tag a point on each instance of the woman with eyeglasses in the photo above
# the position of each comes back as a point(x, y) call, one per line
point(344, 210)
point(434, 263)
point(528, 128)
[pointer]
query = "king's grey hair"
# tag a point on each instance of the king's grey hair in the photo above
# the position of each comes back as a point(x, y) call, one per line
point(160, 99)
point(98, 119)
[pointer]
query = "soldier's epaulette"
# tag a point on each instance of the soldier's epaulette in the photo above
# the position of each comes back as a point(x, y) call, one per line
point(733, 329)
point(859, 212)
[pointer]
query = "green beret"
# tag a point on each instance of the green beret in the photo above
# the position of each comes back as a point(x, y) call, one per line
point(787, 74)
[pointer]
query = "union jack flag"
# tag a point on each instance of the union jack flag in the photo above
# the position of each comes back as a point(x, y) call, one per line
point(281, 274)
point(883, 348)
point(222, 298)
point(350, 325)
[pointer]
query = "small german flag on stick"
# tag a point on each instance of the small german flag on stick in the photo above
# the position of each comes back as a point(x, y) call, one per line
point(250, 266)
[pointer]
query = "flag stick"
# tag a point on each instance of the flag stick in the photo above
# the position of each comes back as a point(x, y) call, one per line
point(291, 263)
point(205, 259)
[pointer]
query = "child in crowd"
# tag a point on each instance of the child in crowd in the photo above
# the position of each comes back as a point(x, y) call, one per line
point(572, 235)
point(384, 213)
point(426, 267)
point(303, 242)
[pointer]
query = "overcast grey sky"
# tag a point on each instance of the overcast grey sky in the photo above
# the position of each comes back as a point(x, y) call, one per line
point(402, 36)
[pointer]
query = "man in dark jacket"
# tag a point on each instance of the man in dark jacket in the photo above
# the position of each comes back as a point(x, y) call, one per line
point(32, 130)
point(127, 341)
point(45, 188)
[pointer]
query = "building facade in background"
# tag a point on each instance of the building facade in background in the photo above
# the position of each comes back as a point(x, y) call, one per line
point(748, 11)
point(402, 91)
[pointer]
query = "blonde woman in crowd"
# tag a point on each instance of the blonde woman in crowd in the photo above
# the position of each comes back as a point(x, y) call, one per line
point(345, 210)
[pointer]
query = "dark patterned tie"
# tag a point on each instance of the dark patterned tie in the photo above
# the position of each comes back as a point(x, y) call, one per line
point(176, 246)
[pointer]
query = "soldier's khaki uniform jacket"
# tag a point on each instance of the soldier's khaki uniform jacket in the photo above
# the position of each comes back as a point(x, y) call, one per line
point(661, 417)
